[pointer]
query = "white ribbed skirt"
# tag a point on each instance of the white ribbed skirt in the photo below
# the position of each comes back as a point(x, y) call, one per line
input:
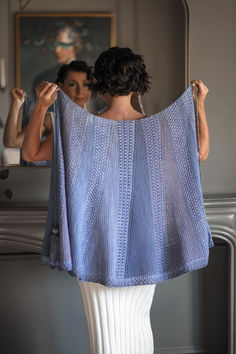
point(118, 318)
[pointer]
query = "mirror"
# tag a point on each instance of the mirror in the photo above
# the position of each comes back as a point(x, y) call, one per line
point(158, 30)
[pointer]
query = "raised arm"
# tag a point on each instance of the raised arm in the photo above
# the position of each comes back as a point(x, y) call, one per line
point(12, 138)
point(203, 126)
point(33, 149)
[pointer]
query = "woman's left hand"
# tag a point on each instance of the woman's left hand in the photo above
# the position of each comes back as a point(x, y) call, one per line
point(202, 91)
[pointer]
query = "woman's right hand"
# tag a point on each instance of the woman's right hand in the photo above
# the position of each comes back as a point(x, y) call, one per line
point(46, 93)
point(17, 96)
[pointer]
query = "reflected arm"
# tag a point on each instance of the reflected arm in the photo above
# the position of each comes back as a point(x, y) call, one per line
point(11, 137)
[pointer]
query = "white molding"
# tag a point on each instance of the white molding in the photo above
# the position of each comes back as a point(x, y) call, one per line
point(221, 216)
point(188, 350)
point(22, 228)
point(187, 51)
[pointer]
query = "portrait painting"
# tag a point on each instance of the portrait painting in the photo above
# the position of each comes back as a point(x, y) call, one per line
point(46, 41)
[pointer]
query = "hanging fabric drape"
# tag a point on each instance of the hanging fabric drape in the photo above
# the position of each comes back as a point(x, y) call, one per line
point(126, 204)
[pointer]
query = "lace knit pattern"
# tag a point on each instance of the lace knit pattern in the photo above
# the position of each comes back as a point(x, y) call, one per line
point(125, 204)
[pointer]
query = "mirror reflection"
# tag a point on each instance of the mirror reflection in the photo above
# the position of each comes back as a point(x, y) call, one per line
point(75, 80)
point(63, 51)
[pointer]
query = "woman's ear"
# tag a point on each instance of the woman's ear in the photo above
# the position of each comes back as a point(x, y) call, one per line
point(106, 98)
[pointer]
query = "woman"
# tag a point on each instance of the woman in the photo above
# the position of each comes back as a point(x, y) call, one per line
point(117, 315)
point(80, 76)
point(75, 79)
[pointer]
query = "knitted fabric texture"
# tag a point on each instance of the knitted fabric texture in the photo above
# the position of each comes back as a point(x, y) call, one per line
point(126, 205)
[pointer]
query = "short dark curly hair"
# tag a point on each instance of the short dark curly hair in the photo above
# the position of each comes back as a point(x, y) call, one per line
point(119, 71)
point(78, 66)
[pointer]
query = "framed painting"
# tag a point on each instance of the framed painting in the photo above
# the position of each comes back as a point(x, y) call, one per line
point(45, 41)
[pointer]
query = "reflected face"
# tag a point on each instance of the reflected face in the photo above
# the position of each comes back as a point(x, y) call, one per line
point(76, 86)
point(64, 49)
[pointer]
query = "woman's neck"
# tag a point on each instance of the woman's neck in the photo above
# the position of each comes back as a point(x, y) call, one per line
point(120, 103)
point(120, 108)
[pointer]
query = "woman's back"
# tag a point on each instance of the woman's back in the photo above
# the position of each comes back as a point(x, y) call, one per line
point(127, 212)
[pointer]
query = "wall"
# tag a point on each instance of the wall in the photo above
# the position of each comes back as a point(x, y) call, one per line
point(212, 59)
point(177, 308)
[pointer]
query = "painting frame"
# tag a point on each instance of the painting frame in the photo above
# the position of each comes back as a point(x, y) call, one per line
point(22, 18)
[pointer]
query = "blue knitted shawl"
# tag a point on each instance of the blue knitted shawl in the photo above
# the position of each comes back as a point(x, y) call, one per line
point(126, 205)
